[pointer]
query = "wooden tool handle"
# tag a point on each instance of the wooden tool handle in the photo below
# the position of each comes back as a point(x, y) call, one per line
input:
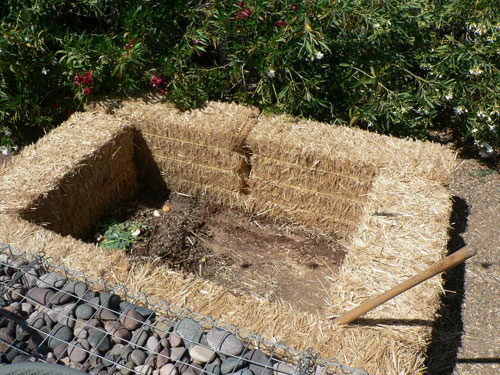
point(449, 262)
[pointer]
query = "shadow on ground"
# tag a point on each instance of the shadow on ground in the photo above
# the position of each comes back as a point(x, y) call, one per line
point(447, 329)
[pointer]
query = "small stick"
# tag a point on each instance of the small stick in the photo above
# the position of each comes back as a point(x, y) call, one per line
point(445, 264)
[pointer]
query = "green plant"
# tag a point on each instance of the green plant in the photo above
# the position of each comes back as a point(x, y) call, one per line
point(119, 235)
point(406, 68)
point(481, 173)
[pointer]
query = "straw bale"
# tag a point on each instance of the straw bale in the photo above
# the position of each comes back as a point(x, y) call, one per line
point(305, 179)
point(223, 125)
point(203, 146)
point(413, 158)
point(348, 183)
point(327, 213)
point(73, 175)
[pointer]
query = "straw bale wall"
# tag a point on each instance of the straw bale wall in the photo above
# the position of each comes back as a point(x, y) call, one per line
point(401, 227)
point(198, 152)
point(74, 175)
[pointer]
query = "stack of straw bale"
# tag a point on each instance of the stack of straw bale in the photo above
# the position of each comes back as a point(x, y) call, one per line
point(401, 229)
point(298, 174)
point(74, 175)
point(200, 152)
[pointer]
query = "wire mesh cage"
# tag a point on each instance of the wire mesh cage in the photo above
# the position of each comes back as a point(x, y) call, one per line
point(53, 315)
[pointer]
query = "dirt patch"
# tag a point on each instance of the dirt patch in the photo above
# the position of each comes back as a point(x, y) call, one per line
point(242, 252)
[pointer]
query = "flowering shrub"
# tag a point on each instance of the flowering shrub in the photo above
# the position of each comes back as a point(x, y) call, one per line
point(403, 68)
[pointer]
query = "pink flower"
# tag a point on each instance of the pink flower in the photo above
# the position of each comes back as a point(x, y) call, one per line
point(243, 13)
point(196, 41)
point(78, 80)
point(132, 41)
point(155, 81)
point(87, 80)
point(293, 7)
point(162, 91)
point(128, 46)
point(87, 91)
point(282, 23)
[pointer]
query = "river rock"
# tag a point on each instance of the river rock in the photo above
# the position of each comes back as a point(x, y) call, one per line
point(162, 358)
point(175, 339)
point(168, 369)
point(231, 365)
point(139, 338)
point(138, 357)
point(121, 335)
point(201, 354)
point(213, 369)
point(17, 292)
point(128, 369)
point(63, 314)
point(177, 352)
point(60, 350)
point(100, 341)
point(60, 298)
point(79, 352)
point(131, 320)
point(61, 333)
point(153, 344)
point(283, 369)
point(260, 363)
point(52, 280)
point(110, 301)
point(76, 288)
point(105, 314)
point(110, 359)
point(80, 333)
point(162, 325)
point(224, 341)
point(144, 370)
point(41, 296)
point(84, 312)
point(190, 331)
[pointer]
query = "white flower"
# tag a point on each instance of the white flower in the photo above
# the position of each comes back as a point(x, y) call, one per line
point(476, 71)
point(4, 150)
point(448, 96)
point(480, 114)
point(459, 110)
point(370, 125)
point(45, 71)
point(376, 25)
point(492, 128)
point(271, 73)
point(7, 132)
point(15, 148)
point(319, 56)
point(488, 148)
point(26, 39)
point(473, 131)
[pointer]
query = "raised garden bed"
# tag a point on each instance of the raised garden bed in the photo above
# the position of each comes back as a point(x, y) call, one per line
point(381, 198)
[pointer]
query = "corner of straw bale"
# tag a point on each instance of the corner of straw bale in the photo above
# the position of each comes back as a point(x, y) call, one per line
point(73, 175)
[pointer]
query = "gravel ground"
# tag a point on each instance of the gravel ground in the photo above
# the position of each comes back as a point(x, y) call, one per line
point(479, 349)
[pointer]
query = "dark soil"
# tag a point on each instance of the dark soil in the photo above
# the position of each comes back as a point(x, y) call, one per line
point(243, 253)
